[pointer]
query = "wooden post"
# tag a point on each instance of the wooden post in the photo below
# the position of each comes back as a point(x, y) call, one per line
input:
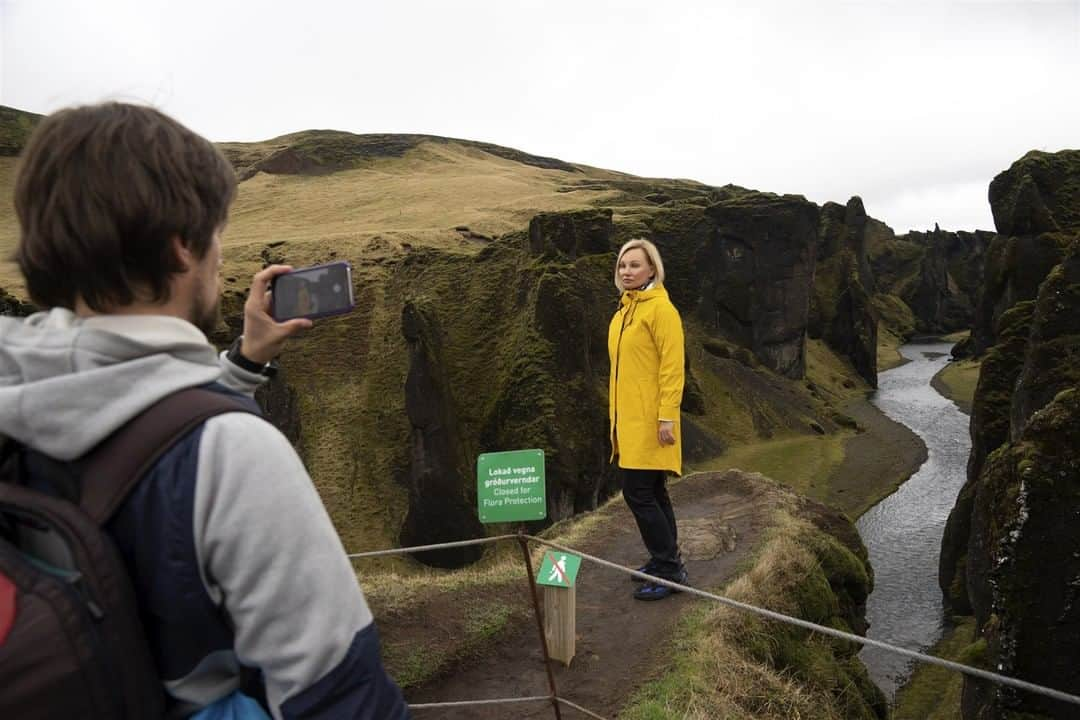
point(560, 622)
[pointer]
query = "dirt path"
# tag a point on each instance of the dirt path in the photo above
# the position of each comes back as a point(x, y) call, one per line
point(622, 642)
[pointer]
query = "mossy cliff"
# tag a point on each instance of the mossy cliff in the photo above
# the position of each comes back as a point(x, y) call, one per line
point(841, 308)
point(1011, 551)
point(1036, 207)
point(927, 283)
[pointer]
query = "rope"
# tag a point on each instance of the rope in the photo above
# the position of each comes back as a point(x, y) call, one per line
point(580, 709)
point(949, 664)
point(437, 546)
point(772, 615)
point(494, 701)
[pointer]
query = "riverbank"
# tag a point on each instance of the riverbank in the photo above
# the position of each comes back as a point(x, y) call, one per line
point(876, 461)
point(957, 381)
point(851, 470)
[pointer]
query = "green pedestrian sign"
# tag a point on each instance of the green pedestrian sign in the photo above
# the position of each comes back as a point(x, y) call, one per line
point(559, 569)
point(510, 486)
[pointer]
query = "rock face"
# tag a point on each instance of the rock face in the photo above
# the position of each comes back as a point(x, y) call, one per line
point(744, 268)
point(937, 275)
point(761, 269)
point(1011, 551)
point(1036, 207)
point(571, 234)
point(439, 510)
point(11, 305)
point(841, 311)
point(946, 287)
point(532, 374)
point(1015, 266)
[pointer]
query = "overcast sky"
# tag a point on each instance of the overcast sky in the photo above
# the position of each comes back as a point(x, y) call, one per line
point(914, 106)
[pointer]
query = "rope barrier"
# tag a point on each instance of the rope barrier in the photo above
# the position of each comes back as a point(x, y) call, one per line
point(832, 632)
point(493, 701)
point(745, 607)
point(580, 709)
point(437, 546)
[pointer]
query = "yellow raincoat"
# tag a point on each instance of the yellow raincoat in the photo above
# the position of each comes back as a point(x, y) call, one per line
point(645, 344)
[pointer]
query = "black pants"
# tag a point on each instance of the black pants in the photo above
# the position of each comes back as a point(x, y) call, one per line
point(645, 491)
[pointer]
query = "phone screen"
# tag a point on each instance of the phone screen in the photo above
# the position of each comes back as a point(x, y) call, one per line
point(312, 292)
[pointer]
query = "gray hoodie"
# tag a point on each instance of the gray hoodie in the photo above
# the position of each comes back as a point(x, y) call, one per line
point(267, 552)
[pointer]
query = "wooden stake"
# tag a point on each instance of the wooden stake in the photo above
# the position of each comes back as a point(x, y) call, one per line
point(560, 622)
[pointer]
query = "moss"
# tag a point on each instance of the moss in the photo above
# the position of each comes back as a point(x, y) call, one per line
point(933, 692)
point(727, 665)
point(16, 127)
point(895, 314)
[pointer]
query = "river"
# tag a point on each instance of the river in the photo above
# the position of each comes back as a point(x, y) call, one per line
point(903, 532)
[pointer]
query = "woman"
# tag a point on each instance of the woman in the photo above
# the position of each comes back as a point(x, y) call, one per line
point(645, 344)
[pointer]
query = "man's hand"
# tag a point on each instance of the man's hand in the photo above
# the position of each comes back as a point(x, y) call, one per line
point(666, 433)
point(264, 337)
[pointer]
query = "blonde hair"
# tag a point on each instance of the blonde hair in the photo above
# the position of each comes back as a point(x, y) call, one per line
point(650, 252)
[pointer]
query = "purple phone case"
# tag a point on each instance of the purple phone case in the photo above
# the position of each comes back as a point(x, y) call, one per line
point(340, 310)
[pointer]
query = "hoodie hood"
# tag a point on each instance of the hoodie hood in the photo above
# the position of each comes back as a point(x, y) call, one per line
point(66, 383)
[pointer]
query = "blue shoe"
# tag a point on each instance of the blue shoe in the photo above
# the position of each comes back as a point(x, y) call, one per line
point(648, 568)
point(653, 591)
point(656, 591)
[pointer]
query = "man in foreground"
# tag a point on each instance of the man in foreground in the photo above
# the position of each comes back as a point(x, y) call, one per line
point(237, 568)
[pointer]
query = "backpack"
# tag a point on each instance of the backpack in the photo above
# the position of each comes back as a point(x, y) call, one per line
point(71, 642)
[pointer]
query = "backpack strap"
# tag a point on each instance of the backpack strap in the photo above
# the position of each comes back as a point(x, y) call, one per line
point(116, 465)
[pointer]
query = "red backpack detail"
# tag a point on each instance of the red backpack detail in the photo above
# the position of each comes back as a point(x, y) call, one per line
point(71, 642)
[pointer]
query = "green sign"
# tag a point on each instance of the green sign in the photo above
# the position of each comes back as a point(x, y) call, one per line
point(559, 569)
point(510, 486)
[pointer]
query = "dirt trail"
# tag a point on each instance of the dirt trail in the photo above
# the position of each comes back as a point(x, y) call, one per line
point(622, 642)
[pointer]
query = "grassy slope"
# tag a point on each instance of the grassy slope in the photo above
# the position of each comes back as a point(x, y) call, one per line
point(9, 276)
point(418, 198)
point(933, 693)
point(957, 381)
point(806, 462)
point(730, 664)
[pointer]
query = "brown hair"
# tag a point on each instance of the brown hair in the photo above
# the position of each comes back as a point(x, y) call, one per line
point(100, 193)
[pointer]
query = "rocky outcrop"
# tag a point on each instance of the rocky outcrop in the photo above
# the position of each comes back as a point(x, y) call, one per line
point(760, 270)
point(990, 412)
point(570, 235)
point(926, 282)
point(946, 286)
point(744, 267)
point(841, 310)
point(439, 509)
point(1036, 207)
point(1040, 193)
point(1011, 551)
point(1015, 267)
point(11, 305)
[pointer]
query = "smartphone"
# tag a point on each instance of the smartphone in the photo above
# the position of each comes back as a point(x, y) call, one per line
point(312, 292)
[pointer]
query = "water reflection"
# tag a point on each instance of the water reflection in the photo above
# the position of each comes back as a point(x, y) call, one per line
point(903, 532)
